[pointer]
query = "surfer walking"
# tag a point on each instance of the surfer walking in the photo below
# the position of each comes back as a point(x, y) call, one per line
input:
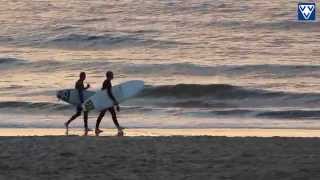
point(108, 86)
point(80, 87)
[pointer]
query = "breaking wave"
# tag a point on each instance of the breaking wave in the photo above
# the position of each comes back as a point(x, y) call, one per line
point(218, 91)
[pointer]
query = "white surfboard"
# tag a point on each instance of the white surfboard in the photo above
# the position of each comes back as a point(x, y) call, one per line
point(71, 96)
point(121, 92)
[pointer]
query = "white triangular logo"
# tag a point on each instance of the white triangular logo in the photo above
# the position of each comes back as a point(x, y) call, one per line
point(306, 10)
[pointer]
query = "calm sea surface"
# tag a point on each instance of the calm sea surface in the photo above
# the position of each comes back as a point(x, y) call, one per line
point(206, 63)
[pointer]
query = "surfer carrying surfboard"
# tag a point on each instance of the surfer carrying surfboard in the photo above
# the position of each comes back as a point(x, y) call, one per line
point(80, 87)
point(108, 86)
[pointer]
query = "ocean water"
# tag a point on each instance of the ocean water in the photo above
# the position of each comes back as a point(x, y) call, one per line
point(206, 63)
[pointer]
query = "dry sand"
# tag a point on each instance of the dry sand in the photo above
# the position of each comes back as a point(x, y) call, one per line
point(152, 158)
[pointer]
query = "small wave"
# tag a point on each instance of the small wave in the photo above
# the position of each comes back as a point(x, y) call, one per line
point(195, 104)
point(47, 66)
point(4, 39)
point(15, 61)
point(12, 87)
point(261, 70)
point(33, 105)
point(234, 112)
point(277, 25)
point(204, 111)
point(268, 114)
point(225, 96)
point(80, 41)
point(55, 108)
point(284, 25)
point(88, 20)
point(201, 104)
point(219, 91)
point(280, 71)
point(63, 28)
point(35, 66)
point(292, 114)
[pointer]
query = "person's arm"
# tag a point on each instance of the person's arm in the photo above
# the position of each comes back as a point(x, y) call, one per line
point(110, 94)
point(88, 86)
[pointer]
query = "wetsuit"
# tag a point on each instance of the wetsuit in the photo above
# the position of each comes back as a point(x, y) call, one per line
point(108, 86)
point(80, 87)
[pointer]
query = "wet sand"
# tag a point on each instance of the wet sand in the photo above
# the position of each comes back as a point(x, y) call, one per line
point(229, 132)
point(159, 157)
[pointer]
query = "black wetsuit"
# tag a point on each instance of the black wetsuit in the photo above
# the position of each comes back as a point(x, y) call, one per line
point(80, 87)
point(108, 86)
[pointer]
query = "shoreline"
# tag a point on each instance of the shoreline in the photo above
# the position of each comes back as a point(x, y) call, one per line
point(227, 132)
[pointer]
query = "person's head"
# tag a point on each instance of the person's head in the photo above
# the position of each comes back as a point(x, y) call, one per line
point(82, 76)
point(109, 75)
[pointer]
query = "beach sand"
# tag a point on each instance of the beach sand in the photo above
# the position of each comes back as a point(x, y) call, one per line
point(229, 132)
point(159, 157)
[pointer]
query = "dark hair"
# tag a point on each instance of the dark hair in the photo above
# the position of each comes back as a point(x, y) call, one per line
point(109, 73)
point(82, 73)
